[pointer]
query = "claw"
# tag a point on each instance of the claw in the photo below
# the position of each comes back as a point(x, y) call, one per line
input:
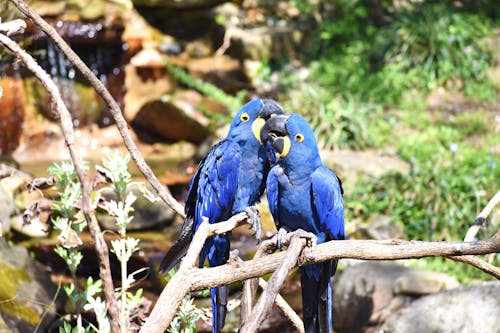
point(312, 241)
point(282, 239)
point(254, 220)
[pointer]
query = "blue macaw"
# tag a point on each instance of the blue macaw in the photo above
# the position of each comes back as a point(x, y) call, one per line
point(305, 197)
point(230, 179)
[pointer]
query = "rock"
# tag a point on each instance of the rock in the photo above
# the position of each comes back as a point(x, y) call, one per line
point(26, 291)
point(268, 42)
point(12, 112)
point(172, 118)
point(368, 292)
point(7, 206)
point(416, 282)
point(223, 71)
point(37, 228)
point(146, 80)
point(379, 227)
point(147, 214)
point(472, 308)
point(176, 4)
point(352, 163)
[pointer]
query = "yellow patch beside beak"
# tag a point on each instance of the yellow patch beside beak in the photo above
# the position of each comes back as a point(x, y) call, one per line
point(286, 146)
point(257, 126)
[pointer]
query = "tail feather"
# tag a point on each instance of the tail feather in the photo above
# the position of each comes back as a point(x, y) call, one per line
point(179, 249)
point(317, 299)
point(219, 309)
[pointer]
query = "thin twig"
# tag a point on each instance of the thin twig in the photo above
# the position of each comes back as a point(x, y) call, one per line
point(479, 221)
point(13, 27)
point(286, 308)
point(480, 264)
point(274, 285)
point(66, 125)
point(113, 106)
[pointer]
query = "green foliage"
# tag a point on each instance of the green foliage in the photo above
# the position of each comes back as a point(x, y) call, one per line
point(416, 48)
point(70, 223)
point(208, 89)
point(445, 47)
point(186, 318)
point(442, 193)
point(339, 122)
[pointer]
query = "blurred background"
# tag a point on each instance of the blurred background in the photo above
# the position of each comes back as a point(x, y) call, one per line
point(403, 97)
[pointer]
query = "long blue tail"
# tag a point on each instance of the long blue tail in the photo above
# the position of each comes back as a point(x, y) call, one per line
point(317, 297)
point(218, 254)
point(219, 309)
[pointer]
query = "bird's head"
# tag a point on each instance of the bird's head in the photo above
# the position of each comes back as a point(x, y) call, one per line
point(291, 138)
point(250, 119)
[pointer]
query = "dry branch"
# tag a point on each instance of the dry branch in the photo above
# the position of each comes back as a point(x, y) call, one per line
point(354, 249)
point(13, 27)
point(180, 284)
point(274, 285)
point(66, 124)
point(113, 106)
point(479, 221)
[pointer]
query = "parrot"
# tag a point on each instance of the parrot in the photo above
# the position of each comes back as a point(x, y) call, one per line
point(230, 179)
point(305, 197)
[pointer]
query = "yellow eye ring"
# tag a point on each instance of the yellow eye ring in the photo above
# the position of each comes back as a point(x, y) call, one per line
point(244, 117)
point(299, 137)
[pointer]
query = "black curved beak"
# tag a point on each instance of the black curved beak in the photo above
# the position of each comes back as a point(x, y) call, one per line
point(273, 128)
point(270, 108)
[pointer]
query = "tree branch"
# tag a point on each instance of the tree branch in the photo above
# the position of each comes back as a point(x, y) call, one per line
point(180, 284)
point(113, 106)
point(354, 249)
point(66, 124)
point(274, 285)
point(479, 221)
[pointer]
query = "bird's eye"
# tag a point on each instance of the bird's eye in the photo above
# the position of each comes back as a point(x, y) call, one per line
point(299, 137)
point(244, 117)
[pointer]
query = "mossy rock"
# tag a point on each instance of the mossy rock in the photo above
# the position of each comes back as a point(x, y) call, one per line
point(26, 291)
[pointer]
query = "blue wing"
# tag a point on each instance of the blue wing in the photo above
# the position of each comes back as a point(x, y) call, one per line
point(217, 183)
point(272, 195)
point(327, 202)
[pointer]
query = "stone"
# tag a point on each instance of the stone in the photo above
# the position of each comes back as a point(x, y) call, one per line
point(12, 113)
point(26, 291)
point(351, 163)
point(147, 214)
point(416, 282)
point(368, 292)
point(146, 80)
point(7, 206)
point(379, 227)
point(275, 42)
point(173, 117)
point(37, 228)
point(473, 308)
point(176, 4)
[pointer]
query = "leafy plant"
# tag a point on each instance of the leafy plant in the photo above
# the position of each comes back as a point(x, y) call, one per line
point(69, 221)
point(207, 88)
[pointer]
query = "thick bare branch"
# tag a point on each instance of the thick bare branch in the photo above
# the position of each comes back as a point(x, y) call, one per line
point(114, 108)
point(354, 249)
point(66, 125)
point(274, 285)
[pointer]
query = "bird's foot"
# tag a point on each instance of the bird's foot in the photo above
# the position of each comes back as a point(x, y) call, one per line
point(254, 220)
point(311, 238)
point(282, 238)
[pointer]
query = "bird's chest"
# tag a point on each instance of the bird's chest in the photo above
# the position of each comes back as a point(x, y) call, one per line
point(251, 182)
point(294, 205)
